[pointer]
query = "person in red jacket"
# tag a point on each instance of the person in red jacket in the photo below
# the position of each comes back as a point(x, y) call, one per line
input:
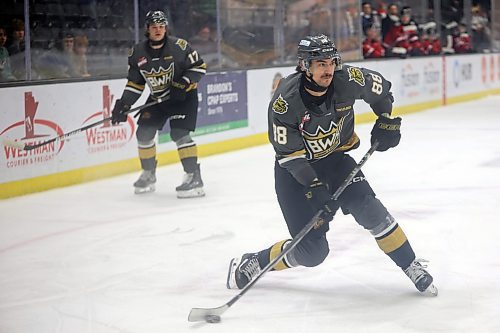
point(372, 46)
point(410, 30)
point(461, 40)
point(431, 45)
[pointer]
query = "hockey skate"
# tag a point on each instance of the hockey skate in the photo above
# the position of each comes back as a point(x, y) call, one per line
point(146, 182)
point(192, 185)
point(242, 271)
point(421, 278)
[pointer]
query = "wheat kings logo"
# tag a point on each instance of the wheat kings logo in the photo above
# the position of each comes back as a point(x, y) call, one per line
point(159, 79)
point(323, 142)
point(356, 75)
point(280, 106)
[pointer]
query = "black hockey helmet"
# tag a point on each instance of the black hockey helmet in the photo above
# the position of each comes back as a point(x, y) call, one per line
point(156, 17)
point(317, 47)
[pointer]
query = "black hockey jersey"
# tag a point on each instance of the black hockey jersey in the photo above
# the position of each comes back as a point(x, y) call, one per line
point(304, 132)
point(157, 68)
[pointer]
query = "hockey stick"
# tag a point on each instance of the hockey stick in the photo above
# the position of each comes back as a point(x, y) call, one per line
point(23, 146)
point(212, 315)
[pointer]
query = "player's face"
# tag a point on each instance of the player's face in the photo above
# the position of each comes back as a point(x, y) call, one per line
point(322, 71)
point(157, 31)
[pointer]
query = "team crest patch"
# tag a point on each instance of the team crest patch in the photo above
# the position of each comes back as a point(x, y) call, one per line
point(280, 106)
point(182, 43)
point(356, 75)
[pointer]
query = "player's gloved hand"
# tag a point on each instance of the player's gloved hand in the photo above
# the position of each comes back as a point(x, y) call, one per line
point(178, 90)
point(119, 113)
point(320, 198)
point(386, 131)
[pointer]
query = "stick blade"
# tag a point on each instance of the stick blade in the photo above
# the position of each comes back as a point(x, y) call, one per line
point(14, 144)
point(199, 314)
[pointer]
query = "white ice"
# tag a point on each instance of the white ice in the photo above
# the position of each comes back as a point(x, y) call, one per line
point(95, 258)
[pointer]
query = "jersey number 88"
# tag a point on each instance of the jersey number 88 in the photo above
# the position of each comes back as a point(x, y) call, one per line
point(377, 84)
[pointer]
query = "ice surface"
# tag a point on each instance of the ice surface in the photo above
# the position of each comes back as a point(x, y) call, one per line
point(97, 258)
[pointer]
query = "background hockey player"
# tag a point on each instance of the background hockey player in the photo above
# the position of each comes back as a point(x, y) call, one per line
point(311, 127)
point(172, 70)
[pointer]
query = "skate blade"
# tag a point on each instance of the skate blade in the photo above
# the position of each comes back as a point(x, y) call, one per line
point(233, 265)
point(193, 193)
point(431, 291)
point(142, 190)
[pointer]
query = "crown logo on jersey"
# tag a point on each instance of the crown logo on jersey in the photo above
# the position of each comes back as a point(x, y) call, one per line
point(159, 79)
point(356, 75)
point(322, 142)
point(280, 106)
point(320, 132)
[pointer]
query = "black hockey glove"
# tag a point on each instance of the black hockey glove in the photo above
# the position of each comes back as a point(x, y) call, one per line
point(178, 90)
point(386, 131)
point(320, 198)
point(119, 113)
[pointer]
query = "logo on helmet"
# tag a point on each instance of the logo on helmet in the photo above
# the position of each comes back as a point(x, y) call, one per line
point(156, 17)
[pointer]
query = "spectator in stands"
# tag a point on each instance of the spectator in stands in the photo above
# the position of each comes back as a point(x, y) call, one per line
point(5, 70)
point(410, 29)
point(17, 43)
point(406, 10)
point(394, 39)
point(81, 44)
point(451, 10)
point(372, 45)
point(367, 16)
point(204, 41)
point(480, 29)
point(389, 19)
point(59, 62)
point(461, 40)
point(16, 49)
point(431, 44)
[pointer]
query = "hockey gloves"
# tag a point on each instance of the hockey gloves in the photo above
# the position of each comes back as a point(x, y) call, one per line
point(119, 113)
point(320, 199)
point(386, 131)
point(178, 90)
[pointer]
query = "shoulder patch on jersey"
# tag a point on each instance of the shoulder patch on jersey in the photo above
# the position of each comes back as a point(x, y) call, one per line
point(342, 108)
point(280, 106)
point(182, 43)
point(142, 61)
point(356, 75)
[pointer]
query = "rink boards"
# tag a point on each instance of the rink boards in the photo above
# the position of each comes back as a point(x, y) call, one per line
point(232, 115)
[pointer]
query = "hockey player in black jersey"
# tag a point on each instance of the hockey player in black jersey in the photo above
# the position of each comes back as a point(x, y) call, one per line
point(171, 69)
point(311, 127)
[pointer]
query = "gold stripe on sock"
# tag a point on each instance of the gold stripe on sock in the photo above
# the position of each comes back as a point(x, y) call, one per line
point(188, 152)
point(275, 251)
point(145, 153)
point(392, 241)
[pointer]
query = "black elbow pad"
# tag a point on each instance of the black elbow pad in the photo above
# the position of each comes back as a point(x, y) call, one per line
point(384, 105)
